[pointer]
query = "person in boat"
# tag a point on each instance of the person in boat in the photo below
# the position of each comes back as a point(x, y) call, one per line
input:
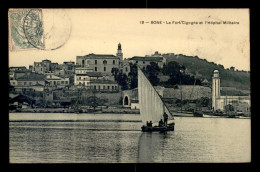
point(149, 124)
point(165, 116)
point(161, 123)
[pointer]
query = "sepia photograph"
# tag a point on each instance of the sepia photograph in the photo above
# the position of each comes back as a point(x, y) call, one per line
point(130, 85)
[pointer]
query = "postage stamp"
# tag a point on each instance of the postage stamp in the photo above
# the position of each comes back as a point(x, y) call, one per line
point(44, 29)
point(25, 28)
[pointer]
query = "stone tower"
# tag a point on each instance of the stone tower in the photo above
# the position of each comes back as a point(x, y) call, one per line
point(215, 89)
point(120, 54)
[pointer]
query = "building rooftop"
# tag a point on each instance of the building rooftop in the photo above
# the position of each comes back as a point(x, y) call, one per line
point(69, 62)
point(39, 85)
point(91, 74)
point(32, 77)
point(46, 60)
point(22, 71)
point(11, 95)
point(99, 81)
point(139, 58)
point(205, 81)
point(99, 56)
point(15, 67)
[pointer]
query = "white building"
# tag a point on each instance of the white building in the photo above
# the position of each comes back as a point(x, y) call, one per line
point(240, 103)
point(57, 81)
point(83, 79)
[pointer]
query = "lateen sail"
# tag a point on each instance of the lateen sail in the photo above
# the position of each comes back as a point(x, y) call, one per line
point(150, 102)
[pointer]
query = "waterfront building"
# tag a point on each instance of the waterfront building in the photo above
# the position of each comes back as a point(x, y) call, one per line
point(143, 62)
point(45, 66)
point(16, 72)
point(83, 79)
point(56, 81)
point(19, 68)
point(101, 62)
point(69, 67)
point(239, 103)
point(20, 101)
point(103, 85)
point(30, 81)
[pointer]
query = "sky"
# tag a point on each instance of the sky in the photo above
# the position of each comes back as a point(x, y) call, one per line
point(98, 31)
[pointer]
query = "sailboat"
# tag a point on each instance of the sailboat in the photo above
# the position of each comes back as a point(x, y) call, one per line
point(151, 106)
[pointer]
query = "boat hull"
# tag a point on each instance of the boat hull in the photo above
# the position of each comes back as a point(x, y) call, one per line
point(170, 127)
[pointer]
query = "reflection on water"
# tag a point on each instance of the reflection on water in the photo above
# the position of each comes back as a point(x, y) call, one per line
point(151, 146)
point(194, 140)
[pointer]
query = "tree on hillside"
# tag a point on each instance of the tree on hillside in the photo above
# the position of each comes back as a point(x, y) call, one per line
point(133, 76)
point(120, 77)
point(178, 76)
point(172, 68)
point(153, 70)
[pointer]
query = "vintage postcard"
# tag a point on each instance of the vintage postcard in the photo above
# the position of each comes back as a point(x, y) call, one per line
point(129, 86)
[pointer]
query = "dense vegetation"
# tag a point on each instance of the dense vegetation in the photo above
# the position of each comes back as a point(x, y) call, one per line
point(174, 70)
point(204, 69)
point(186, 70)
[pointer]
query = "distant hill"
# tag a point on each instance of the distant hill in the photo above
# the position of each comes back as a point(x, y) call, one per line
point(204, 70)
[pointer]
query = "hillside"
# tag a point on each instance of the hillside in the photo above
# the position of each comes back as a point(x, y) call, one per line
point(204, 69)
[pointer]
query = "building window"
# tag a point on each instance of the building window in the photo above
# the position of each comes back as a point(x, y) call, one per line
point(58, 82)
point(24, 83)
point(143, 68)
point(115, 87)
point(95, 87)
point(104, 87)
point(30, 83)
point(99, 87)
point(136, 61)
point(79, 77)
point(114, 61)
point(104, 68)
point(143, 62)
point(126, 69)
point(104, 62)
point(62, 82)
point(108, 87)
point(19, 83)
point(95, 61)
point(112, 87)
point(54, 82)
point(66, 82)
point(79, 83)
point(95, 68)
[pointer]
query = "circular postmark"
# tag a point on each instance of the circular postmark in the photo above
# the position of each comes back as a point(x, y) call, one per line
point(47, 29)
point(33, 29)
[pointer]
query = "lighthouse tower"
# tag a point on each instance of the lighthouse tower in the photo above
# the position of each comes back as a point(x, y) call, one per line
point(215, 89)
point(120, 54)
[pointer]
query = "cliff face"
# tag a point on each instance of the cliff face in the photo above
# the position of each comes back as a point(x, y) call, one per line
point(204, 69)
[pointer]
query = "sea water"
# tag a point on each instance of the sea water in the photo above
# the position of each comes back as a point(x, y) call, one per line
point(99, 141)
